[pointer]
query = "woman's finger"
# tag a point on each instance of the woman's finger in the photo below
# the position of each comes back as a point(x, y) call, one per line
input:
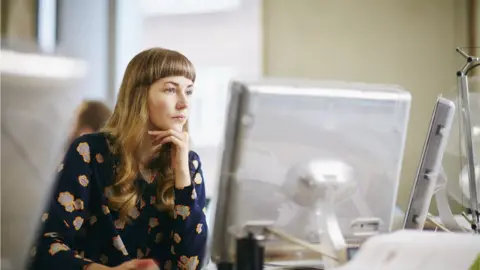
point(177, 134)
point(138, 264)
point(146, 264)
point(156, 132)
point(160, 135)
point(172, 139)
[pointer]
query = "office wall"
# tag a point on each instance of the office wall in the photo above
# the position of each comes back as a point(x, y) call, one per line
point(410, 43)
point(231, 38)
point(83, 34)
point(18, 20)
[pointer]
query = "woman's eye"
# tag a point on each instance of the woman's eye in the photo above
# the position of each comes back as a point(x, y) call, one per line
point(189, 92)
point(170, 90)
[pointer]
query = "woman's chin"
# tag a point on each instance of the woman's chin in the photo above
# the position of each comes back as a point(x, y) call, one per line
point(177, 127)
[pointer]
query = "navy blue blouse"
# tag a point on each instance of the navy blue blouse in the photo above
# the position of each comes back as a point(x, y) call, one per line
point(78, 228)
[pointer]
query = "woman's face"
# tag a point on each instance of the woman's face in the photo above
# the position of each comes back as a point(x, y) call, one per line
point(168, 101)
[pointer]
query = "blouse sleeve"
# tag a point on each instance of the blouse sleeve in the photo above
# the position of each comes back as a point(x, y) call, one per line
point(66, 212)
point(189, 235)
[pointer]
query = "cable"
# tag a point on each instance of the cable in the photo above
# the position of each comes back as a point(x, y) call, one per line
point(437, 225)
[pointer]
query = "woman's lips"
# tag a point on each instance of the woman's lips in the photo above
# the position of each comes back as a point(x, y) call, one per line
point(179, 117)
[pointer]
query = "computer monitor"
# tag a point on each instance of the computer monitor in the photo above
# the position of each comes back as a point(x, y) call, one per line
point(35, 122)
point(430, 164)
point(275, 125)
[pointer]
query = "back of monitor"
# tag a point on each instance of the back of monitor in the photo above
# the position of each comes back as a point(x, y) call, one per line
point(430, 164)
point(275, 126)
point(35, 123)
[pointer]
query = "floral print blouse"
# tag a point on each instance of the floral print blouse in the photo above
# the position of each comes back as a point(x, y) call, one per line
point(78, 227)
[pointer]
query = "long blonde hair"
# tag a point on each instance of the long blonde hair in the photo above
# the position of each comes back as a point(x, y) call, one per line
point(129, 126)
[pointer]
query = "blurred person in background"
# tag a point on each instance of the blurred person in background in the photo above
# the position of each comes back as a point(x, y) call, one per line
point(91, 116)
point(133, 193)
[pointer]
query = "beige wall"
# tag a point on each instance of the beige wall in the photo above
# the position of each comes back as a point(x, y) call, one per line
point(18, 19)
point(409, 42)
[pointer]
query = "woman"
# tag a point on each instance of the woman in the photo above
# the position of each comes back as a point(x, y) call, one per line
point(91, 116)
point(133, 190)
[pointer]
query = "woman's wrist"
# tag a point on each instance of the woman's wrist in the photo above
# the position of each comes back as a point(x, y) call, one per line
point(182, 178)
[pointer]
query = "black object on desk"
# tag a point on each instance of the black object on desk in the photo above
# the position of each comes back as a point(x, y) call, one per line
point(225, 266)
point(250, 254)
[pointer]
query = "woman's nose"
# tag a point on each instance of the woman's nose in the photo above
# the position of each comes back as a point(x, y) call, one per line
point(182, 101)
point(182, 104)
